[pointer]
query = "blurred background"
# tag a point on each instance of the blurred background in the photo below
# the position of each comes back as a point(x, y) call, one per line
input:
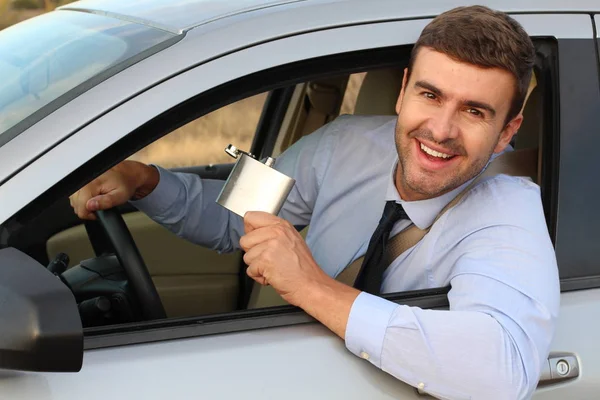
point(13, 11)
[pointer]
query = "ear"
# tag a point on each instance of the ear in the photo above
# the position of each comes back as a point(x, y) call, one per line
point(401, 96)
point(508, 132)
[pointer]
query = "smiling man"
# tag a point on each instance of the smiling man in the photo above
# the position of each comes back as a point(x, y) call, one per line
point(459, 107)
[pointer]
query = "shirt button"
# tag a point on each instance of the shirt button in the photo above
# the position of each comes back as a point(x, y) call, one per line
point(421, 386)
point(364, 355)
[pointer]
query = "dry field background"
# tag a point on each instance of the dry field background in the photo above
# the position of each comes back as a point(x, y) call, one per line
point(202, 141)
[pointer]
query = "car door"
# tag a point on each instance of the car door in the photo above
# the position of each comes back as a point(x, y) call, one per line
point(280, 352)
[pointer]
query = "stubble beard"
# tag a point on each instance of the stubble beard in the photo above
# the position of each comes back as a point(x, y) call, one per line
point(418, 182)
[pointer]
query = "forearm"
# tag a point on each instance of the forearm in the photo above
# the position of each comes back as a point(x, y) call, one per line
point(450, 354)
point(330, 302)
point(185, 204)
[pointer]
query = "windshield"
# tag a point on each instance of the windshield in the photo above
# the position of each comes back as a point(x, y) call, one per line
point(49, 60)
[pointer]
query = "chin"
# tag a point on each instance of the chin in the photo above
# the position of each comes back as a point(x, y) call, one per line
point(423, 187)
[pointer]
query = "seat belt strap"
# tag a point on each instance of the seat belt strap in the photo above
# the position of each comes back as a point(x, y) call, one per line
point(515, 163)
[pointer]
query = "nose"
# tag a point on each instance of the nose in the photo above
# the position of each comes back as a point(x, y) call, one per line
point(442, 124)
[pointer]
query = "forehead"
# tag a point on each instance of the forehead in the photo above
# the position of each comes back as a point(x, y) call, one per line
point(462, 80)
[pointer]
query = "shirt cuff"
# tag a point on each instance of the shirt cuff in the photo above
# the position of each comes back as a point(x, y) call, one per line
point(367, 325)
point(162, 197)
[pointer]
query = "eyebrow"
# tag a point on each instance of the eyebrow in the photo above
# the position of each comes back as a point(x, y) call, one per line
point(471, 103)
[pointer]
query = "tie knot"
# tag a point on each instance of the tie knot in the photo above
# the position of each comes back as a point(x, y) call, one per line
point(392, 213)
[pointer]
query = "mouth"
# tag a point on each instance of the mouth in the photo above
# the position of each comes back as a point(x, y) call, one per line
point(434, 158)
point(433, 153)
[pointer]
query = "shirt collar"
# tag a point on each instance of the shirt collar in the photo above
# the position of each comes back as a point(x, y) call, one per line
point(422, 213)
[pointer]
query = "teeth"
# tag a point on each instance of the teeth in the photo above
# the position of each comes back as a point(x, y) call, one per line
point(434, 153)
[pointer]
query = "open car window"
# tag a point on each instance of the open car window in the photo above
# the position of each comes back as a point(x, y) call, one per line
point(194, 281)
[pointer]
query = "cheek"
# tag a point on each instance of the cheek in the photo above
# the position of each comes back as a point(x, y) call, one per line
point(411, 117)
point(478, 143)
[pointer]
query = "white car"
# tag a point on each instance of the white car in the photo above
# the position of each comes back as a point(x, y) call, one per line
point(92, 83)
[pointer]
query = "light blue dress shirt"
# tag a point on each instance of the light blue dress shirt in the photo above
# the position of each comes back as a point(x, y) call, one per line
point(493, 248)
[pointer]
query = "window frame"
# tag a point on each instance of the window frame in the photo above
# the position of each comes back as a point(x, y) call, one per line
point(577, 221)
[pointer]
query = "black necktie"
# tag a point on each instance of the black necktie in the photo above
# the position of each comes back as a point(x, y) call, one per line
point(371, 271)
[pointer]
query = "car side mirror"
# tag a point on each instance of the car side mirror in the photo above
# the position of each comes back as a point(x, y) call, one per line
point(40, 328)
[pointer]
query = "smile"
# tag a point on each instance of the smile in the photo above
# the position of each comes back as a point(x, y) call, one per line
point(434, 153)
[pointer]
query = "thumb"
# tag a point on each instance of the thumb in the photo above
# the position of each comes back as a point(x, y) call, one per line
point(258, 219)
point(248, 227)
point(102, 202)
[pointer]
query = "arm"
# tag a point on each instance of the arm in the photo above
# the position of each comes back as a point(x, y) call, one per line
point(503, 306)
point(490, 344)
point(185, 204)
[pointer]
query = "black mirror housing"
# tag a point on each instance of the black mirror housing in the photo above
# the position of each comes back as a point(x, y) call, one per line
point(40, 327)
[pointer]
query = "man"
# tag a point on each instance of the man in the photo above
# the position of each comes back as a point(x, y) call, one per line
point(459, 106)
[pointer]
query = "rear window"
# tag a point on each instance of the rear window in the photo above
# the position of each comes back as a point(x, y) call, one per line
point(49, 60)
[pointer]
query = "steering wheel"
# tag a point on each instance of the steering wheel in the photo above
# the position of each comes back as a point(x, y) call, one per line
point(131, 260)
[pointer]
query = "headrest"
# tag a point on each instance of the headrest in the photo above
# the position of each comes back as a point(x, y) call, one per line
point(380, 90)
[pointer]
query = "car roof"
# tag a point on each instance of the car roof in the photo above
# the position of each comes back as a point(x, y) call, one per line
point(175, 16)
point(178, 16)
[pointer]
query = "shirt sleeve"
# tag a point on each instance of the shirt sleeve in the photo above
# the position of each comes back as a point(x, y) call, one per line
point(186, 204)
point(492, 341)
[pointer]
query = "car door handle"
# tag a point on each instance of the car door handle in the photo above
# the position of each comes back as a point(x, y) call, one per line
point(559, 367)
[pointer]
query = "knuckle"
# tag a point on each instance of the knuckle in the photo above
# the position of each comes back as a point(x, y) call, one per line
point(279, 230)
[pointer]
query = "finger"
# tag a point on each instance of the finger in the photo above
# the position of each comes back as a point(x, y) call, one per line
point(255, 252)
point(259, 279)
point(84, 214)
point(257, 236)
point(253, 273)
point(74, 201)
point(78, 207)
point(101, 202)
point(258, 219)
point(79, 199)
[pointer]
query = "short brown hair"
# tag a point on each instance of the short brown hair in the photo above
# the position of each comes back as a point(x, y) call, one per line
point(486, 38)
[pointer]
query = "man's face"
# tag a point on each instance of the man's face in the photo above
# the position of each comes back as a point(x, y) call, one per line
point(450, 121)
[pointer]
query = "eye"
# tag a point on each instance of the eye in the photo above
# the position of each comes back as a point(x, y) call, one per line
point(475, 112)
point(430, 95)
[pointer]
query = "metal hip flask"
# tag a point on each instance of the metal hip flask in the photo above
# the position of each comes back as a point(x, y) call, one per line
point(254, 186)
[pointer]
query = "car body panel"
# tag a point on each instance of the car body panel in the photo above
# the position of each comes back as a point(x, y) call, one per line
point(577, 333)
point(175, 16)
point(182, 15)
point(258, 364)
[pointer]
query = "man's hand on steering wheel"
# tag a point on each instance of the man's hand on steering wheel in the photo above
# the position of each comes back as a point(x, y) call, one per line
point(123, 182)
point(98, 200)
